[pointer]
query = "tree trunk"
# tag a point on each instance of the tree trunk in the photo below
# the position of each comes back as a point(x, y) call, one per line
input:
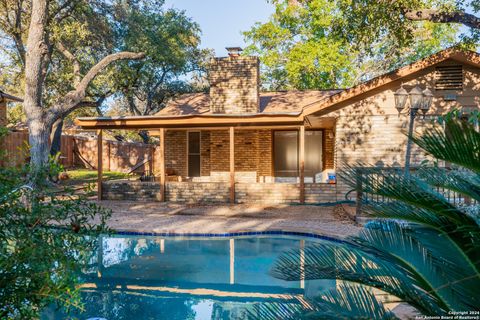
point(39, 140)
point(38, 125)
point(56, 137)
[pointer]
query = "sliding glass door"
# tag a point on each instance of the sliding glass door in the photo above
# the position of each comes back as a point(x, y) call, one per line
point(285, 153)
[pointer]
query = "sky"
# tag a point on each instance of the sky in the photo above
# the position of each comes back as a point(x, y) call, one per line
point(222, 21)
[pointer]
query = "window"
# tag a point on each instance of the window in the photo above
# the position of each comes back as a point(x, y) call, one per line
point(286, 152)
point(449, 78)
point(194, 154)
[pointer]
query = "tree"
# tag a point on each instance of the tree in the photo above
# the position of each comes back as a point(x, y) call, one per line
point(46, 239)
point(46, 54)
point(363, 21)
point(170, 40)
point(304, 46)
point(425, 249)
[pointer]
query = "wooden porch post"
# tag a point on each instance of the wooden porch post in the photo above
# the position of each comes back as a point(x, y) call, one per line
point(99, 164)
point(3, 122)
point(232, 166)
point(162, 164)
point(302, 163)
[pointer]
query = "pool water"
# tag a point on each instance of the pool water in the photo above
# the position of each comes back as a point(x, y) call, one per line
point(145, 277)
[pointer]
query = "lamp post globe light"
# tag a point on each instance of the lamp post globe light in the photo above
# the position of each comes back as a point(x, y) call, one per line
point(418, 100)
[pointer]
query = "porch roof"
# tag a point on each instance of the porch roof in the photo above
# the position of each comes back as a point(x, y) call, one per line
point(8, 97)
point(277, 109)
point(193, 121)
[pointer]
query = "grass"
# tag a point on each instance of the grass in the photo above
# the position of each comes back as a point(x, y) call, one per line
point(82, 176)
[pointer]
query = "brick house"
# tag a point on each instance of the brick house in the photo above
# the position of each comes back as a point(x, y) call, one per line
point(239, 144)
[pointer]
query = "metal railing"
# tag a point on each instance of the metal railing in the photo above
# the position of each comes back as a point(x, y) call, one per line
point(376, 176)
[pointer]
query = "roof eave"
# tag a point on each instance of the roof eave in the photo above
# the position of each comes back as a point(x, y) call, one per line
point(190, 121)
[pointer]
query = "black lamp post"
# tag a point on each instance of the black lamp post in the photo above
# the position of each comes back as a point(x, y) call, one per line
point(419, 100)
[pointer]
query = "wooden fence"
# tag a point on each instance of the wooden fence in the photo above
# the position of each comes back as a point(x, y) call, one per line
point(78, 151)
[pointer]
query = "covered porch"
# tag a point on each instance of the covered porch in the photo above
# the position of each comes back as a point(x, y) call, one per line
point(228, 159)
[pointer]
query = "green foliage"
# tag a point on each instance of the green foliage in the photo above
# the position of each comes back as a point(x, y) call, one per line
point(425, 248)
point(364, 21)
point(311, 44)
point(15, 114)
point(46, 238)
point(170, 40)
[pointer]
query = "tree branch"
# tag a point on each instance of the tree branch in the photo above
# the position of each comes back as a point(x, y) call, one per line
point(96, 69)
point(437, 16)
point(76, 64)
point(76, 96)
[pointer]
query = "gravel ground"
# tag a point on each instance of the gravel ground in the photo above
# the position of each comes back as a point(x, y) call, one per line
point(177, 218)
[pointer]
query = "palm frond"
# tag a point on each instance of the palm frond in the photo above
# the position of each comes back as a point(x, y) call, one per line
point(347, 301)
point(464, 182)
point(464, 236)
point(351, 301)
point(393, 184)
point(440, 263)
point(360, 263)
point(458, 143)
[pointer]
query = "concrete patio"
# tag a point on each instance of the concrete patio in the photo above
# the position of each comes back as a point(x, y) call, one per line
point(176, 218)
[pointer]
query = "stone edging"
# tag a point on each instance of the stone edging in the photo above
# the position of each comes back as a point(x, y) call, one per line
point(228, 234)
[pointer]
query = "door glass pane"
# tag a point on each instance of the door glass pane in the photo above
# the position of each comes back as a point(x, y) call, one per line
point(286, 153)
point(194, 142)
point(194, 165)
point(313, 153)
point(194, 154)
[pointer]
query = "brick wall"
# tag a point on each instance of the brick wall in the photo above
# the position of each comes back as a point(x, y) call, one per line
point(131, 190)
point(267, 193)
point(217, 192)
point(205, 148)
point(253, 154)
point(328, 149)
point(197, 192)
point(234, 83)
point(175, 152)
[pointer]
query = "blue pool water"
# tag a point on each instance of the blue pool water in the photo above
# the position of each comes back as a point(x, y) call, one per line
point(147, 277)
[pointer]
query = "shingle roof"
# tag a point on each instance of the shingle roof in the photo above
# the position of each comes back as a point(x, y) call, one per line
point(270, 102)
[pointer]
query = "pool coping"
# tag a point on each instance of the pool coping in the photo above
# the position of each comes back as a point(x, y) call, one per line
point(228, 234)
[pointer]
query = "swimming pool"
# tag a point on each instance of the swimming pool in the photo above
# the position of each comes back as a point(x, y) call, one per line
point(155, 277)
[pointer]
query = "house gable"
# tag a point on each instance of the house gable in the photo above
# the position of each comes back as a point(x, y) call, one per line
point(416, 72)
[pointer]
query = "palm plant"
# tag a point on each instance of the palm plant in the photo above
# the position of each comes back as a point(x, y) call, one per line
point(423, 248)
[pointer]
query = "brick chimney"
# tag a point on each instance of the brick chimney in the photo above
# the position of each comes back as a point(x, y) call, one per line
point(234, 83)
